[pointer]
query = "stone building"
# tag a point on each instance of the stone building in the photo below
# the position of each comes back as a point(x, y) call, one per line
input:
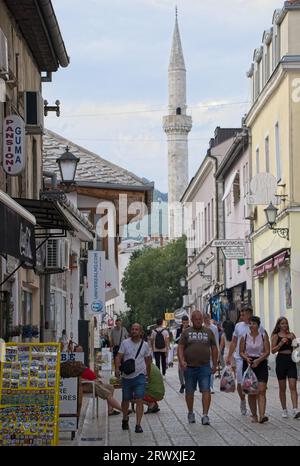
point(31, 49)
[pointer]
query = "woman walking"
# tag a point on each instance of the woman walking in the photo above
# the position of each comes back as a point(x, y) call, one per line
point(255, 349)
point(282, 339)
point(226, 339)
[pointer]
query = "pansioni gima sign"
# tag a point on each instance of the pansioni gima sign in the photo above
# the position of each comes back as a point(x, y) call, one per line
point(13, 145)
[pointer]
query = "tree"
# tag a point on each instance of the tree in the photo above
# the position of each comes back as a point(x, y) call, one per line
point(151, 282)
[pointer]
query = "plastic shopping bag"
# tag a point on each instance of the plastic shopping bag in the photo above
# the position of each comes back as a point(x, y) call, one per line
point(249, 382)
point(227, 382)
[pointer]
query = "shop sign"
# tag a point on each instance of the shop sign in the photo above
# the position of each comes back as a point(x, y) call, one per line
point(234, 252)
point(17, 237)
point(13, 145)
point(69, 387)
point(169, 316)
point(224, 243)
point(263, 188)
point(96, 282)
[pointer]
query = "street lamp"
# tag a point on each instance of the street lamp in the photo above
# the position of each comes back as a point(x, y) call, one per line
point(67, 163)
point(271, 214)
point(182, 282)
point(201, 270)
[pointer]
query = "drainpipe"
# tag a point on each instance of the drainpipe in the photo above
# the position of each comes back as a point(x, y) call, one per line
point(217, 211)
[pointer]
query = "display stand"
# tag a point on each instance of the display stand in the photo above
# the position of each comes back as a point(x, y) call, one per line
point(29, 394)
point(70, 398)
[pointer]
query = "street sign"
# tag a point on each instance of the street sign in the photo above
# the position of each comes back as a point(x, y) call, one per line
point(169, 316)
point(224, 243)
point(234, 253)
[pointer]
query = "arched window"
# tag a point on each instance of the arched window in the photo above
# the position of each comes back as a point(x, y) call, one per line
point(178, 111)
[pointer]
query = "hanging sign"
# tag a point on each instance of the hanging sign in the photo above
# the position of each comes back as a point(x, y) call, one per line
point(13, 145)
point(96, 282)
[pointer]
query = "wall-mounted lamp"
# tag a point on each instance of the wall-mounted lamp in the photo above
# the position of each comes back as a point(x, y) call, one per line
point(201, 270)
point(271, 214)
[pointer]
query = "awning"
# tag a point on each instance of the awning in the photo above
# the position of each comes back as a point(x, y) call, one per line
point(47, 213)
point(229, 185)
point(17, 236)
point(280, 258)
point(271, 263)
point(262, 268)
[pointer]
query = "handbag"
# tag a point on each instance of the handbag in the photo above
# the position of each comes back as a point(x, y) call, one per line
point(128, 367)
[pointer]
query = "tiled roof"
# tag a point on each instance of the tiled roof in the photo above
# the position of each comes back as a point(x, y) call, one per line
point(91, 167)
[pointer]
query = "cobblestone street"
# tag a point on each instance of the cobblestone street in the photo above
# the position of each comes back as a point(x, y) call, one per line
point(169, 427)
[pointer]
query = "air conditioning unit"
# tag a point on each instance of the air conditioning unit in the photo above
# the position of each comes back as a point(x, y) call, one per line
point(58, 253)
point(34, 112)
point(3, 56)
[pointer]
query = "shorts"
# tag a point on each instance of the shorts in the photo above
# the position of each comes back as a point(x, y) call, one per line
point(239, 370)
point(103, 390)
point(261, 371)
point(197, 375)
point(134, 388)
point(285, 367)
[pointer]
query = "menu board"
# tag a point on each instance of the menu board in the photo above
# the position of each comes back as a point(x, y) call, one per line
point(29, 394)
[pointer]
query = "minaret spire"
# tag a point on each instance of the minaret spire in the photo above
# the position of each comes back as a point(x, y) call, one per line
point(177, 125)
point(176, 58)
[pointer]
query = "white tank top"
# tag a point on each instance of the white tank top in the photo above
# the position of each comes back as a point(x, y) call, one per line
point(254, 348)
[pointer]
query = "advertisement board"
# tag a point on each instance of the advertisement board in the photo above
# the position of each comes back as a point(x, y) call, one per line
point(96, 282)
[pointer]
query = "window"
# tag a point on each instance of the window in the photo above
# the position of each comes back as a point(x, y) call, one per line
point(236, 189)
point(257, 160)
point(278, 152)
point(267, 154)
point(208, 222)
point(205, 224)
point(228, 204)
point(212, 218)
point(178, 111)
point(246, 179)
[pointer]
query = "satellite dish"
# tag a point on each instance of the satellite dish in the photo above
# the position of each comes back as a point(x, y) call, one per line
point(296, 355)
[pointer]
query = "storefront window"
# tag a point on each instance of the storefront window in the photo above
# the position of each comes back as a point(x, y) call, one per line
point(26, 308)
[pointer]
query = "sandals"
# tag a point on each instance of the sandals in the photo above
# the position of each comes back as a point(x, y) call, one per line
point(263, 419)
point(254, 419)
point(114, 413)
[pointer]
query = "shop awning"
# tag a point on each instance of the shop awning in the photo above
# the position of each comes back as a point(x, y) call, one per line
point(229, 185)
point(17, 236)
point(271, 263)
point(280, 258)
point(262, 268)
point(47, 213)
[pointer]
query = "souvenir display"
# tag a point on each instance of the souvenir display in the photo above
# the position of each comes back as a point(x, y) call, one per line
point(29, 394)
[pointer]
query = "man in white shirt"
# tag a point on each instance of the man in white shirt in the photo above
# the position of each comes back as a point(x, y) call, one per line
point(241, 329)
point(134, 383)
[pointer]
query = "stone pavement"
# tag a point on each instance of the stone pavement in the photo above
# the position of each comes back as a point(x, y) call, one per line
point(169, 427)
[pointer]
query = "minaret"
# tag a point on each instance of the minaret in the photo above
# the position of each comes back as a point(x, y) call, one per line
point(177, 125)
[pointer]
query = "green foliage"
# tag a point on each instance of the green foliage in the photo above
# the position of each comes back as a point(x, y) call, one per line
point(151, 282)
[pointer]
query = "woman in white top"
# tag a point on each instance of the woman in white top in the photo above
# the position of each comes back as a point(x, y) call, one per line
point(255, 349)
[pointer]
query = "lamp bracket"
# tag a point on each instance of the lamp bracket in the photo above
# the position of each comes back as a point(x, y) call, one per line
point(53, 195)
point(282, 232)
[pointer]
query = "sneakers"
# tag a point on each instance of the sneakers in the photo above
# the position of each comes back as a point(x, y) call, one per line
point(284, 413)
point(191, 418)
point(212, 391)
point(205, 420)
point(243, 407)
point(296, 413)
point(138, 429)
point(182, 388)
point(125, 425)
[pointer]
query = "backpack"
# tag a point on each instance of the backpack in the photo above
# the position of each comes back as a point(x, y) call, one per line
point(159, 339)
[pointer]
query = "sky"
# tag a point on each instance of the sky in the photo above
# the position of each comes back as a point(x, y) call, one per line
point(115, 91)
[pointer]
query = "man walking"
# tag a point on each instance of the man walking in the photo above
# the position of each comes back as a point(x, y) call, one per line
point(196, 346)
point(241, 329)
point(134, 383)
point(160, 345)
point(117, 335)
point(184, 325)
